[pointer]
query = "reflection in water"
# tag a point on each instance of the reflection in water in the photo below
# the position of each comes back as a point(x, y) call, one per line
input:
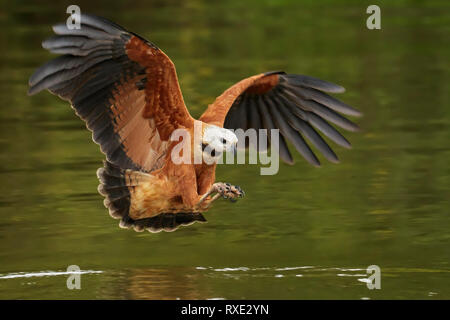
point(154, 284)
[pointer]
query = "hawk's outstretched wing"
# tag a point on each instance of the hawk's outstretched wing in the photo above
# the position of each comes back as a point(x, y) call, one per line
point(123, 86)
point(294, 104)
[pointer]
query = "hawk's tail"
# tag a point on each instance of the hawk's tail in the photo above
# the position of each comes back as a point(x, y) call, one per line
point(117, 186)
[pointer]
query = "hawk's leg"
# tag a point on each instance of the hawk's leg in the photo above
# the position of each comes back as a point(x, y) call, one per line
point(225, 190)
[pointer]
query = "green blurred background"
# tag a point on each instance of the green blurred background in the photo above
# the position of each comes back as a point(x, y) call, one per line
point(305, 233)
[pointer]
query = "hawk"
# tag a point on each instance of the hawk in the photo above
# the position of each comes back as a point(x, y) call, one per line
point(126, 90)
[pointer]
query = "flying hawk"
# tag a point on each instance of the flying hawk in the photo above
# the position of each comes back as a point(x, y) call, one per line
point(126, 90)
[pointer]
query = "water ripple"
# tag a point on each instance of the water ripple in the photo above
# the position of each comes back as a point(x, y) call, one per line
point(45, 274)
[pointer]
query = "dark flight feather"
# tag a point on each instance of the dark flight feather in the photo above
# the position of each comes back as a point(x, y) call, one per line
point(297, 105)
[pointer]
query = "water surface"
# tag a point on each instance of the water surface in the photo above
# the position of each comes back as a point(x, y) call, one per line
point(304, 233)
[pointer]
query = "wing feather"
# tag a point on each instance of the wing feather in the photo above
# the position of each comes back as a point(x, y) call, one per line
point(269, 125)
point(258, 124)
point(307, 131)
point(289, 133)
point(297, 105)
point(123, 86)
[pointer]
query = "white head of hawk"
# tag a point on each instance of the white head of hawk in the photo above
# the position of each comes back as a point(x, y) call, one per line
point(216, 140)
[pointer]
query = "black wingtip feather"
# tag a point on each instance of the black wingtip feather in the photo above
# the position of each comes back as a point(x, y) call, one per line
point(297, 106)
point(292, 135)
point(311, 82)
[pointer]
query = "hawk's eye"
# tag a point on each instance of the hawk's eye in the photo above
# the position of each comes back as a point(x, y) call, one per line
point(215, 153)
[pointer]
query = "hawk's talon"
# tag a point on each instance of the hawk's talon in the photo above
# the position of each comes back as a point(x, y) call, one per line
point(228, 191)
point(224, 190)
